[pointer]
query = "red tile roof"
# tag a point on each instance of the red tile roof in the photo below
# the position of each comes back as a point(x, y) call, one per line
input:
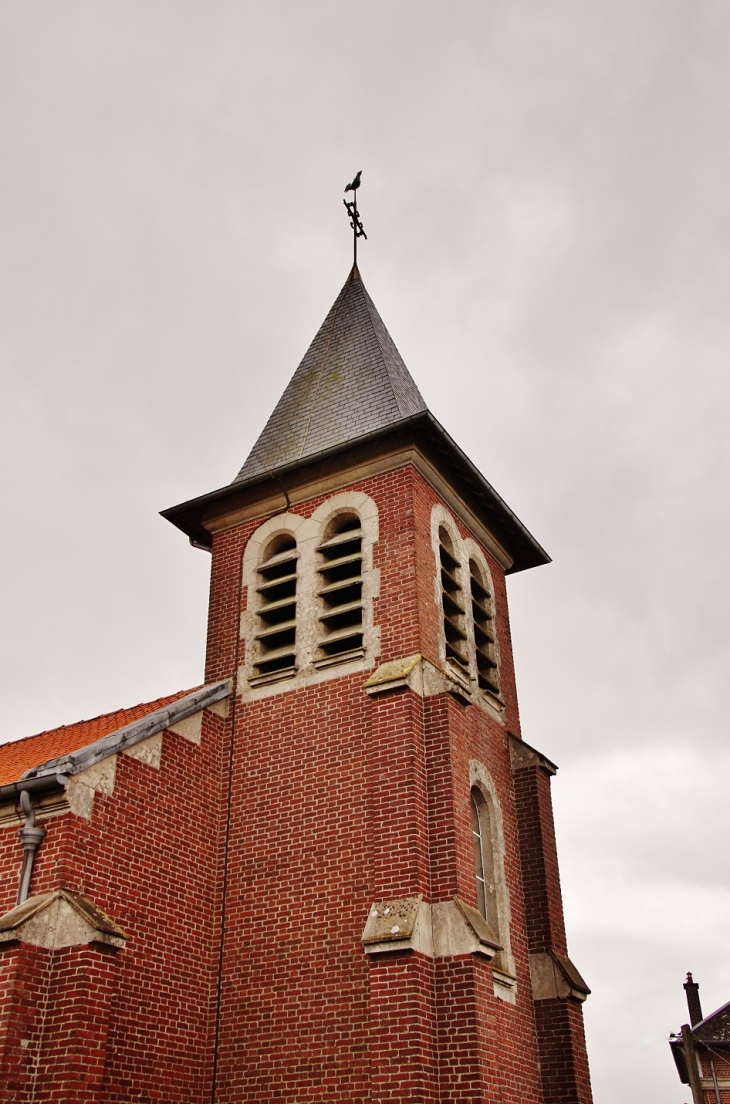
point(20, 755)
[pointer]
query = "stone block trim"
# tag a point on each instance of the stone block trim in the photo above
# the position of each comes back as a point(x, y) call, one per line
point(417, 673)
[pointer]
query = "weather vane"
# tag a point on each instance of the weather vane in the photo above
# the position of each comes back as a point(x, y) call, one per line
point(355, 223)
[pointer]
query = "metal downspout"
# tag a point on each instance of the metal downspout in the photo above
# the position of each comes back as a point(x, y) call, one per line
point(31, 839)
point(714, 1079)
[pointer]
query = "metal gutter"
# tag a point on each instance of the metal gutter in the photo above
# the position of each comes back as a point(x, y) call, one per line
point(179, 514)
point(496, 506)
point(187, 516)
point(12, 790)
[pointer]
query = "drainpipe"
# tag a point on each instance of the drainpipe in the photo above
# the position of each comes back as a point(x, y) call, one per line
point(31, 839)
point(714, 1080)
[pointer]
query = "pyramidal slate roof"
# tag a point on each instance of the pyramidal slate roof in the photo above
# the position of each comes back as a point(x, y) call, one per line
point(351, 382)
point(352, 391)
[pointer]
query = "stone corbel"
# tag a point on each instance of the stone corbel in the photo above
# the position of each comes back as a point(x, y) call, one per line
point(522, 755)
point(60, 919)
point(554, 975)
point(419, 674)
point(442, 930)
point(396, 925)
point(459, 928)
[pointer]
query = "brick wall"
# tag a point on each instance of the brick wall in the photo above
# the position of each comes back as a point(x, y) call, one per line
point(338, 801)
point(559, 1021)
point(721, 1062)
point(150, 857)
point(254, 858)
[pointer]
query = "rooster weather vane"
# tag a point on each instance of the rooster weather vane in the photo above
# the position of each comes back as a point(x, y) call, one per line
point(351, 206)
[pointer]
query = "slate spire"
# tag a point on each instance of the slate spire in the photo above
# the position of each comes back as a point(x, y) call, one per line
point(351, 382)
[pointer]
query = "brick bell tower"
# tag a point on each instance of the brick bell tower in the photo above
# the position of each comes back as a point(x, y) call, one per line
point(392, 925)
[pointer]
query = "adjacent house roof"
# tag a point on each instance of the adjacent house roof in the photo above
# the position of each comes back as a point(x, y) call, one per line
point(715, 1028)
point(22, 755)
point(351, 382)
point(713, 1032)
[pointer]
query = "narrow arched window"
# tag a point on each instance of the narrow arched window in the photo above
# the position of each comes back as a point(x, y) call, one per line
point(483, 858)
point(340, 590)
point(482, 606)
point(452, 601)
point(276, 589)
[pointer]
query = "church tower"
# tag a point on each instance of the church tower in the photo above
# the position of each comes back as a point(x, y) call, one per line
point(389, 915)
point(329, 873)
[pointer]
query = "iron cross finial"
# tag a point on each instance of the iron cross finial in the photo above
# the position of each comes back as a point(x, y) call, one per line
point(357, 227)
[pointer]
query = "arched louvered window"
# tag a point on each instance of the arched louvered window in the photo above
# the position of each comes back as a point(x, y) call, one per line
point(452, 601)
point(340, 590)
point(483, 859)
point(277, 609)
point(482, 606)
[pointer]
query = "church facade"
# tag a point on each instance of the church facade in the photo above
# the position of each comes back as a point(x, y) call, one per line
point(328, 873)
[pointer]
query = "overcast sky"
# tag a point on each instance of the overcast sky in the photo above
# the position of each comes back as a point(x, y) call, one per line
point(545, 192)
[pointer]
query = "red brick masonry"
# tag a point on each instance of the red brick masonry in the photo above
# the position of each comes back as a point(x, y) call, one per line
point(242, 870)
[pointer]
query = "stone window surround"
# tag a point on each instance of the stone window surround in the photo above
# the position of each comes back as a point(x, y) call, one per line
point(464, 550)
point(309, 534)
point(504, 963)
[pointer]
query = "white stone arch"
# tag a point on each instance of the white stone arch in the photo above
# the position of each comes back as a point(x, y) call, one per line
point(355, 502)
point(472, 551)
point(308, 535)
point(465, 548)
point(272, 527)
point(481, 779)
point(280, 524)
point(440, 516)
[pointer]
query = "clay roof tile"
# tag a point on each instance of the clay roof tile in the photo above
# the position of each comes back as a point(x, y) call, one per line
point(18, 756)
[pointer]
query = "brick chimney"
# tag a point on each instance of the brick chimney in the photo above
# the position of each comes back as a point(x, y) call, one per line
point(692, 990)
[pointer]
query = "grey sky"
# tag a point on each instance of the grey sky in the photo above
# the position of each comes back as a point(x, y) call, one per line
point(545, 193)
